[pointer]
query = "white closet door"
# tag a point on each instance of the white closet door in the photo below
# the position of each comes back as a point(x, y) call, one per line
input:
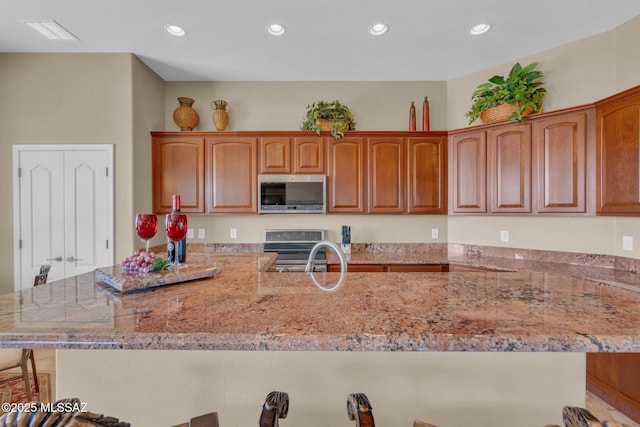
point(64, 212)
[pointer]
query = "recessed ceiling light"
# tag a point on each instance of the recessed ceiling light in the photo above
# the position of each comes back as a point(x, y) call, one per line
point(175, 30)
point(479, 29)
point(275, 29)
point(50, 29)
point(378, 29)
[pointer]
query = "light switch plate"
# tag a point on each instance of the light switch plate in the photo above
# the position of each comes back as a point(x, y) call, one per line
point(189, 233)
point(233, 233)
point(627, 243)
point(504, 236)
point(434, 233)
point(200, 233)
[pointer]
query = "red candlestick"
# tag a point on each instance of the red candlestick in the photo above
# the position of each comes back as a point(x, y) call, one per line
point(412, 117)
point(425, 114)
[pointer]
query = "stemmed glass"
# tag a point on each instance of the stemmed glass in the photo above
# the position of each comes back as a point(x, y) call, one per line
point(176, 228)
point(146, 227)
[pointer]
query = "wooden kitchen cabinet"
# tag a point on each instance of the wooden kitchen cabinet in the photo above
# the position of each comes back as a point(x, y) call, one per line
point(386, 176)
point(358, 268)
point(178, 168)
point(618, 154)
point(468, 172)
point(426, 175)
point(613, 377)
point(417, 268)
point(564, 162)
point(275, 155)
point(231, 171)
point(308, 155)
point(545, 165)
point(217, 172)
point(346, 175)
point(298, 155)
point(509, 168)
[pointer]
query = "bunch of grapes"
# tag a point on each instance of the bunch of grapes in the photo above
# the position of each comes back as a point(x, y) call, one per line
point(139, 261)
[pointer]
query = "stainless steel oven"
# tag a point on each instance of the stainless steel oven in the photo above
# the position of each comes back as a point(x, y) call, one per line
point(293, 248)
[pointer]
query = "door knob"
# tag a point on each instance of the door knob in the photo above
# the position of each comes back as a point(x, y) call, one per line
point(72, 259)
point(58, 258)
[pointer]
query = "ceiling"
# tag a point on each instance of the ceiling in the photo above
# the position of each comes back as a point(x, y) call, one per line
point(325, 40)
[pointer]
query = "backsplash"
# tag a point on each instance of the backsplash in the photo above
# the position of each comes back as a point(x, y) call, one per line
point(630, 265)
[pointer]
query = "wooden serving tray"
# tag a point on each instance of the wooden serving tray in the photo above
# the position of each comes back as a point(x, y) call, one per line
point(131, 281)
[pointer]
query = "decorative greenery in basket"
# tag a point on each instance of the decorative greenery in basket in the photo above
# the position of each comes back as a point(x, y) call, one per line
point(328, 116)
point(522, 88)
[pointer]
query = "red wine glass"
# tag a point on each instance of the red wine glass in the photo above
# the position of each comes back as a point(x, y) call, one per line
point(176, 228)
point(146, 227)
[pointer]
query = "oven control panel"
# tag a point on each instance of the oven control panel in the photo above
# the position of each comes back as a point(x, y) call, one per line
point(293, 235)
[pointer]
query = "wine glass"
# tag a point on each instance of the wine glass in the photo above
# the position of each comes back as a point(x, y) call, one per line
point(146, 227)
point(176, 228)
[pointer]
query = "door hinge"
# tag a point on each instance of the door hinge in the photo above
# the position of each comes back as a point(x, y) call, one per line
point(19, 172)
point(107, 242)
point(106, 171)
point(19, 243)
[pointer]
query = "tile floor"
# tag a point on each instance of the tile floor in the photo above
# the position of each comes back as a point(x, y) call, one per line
point(46, 362)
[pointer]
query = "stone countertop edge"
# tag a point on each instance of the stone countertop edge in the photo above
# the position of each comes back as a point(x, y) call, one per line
point(247, 308)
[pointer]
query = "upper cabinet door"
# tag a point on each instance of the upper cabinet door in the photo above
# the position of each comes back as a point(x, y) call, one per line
point(468, 172)
point(308, 155)
point(275, 155)
point(345, 181)
point(178, 168)
point(427, 175)
point(232, 177)
point(562, 178)
point(509, 165)
point(386, 174)
point(618, 155)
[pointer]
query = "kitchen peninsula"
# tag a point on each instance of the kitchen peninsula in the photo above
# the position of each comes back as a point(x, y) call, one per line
point(462, 346)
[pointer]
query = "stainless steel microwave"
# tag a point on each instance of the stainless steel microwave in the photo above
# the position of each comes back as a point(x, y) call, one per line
point(302, 194)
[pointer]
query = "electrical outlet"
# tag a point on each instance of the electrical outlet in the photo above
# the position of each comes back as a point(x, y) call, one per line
point(233, 233)
point(504, 236)
point(189, 233)
point(434, 233)
point(200, 233)
point(627, 243)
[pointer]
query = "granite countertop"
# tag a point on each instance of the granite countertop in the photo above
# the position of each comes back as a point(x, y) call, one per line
point(594, 269)
point(248, 308)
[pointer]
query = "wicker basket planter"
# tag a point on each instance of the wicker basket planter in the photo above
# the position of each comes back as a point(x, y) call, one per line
point(501, 113)
point(325, 125)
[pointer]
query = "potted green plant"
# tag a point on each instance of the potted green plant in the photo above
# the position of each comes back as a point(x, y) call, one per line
point(514, 97)
point(329, 117)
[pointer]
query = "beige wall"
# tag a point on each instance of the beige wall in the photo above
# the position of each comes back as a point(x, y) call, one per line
point(628, 55)
point(65, 99)
point(148, 113)
point(282, 105)
point(161, 388)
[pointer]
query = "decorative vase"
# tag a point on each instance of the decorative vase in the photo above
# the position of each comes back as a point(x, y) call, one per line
point(220, 114)
point(412, 117)
point(185, 117)
point(425, 114)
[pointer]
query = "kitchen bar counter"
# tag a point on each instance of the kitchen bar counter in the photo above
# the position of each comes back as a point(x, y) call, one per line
point(247, 308)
